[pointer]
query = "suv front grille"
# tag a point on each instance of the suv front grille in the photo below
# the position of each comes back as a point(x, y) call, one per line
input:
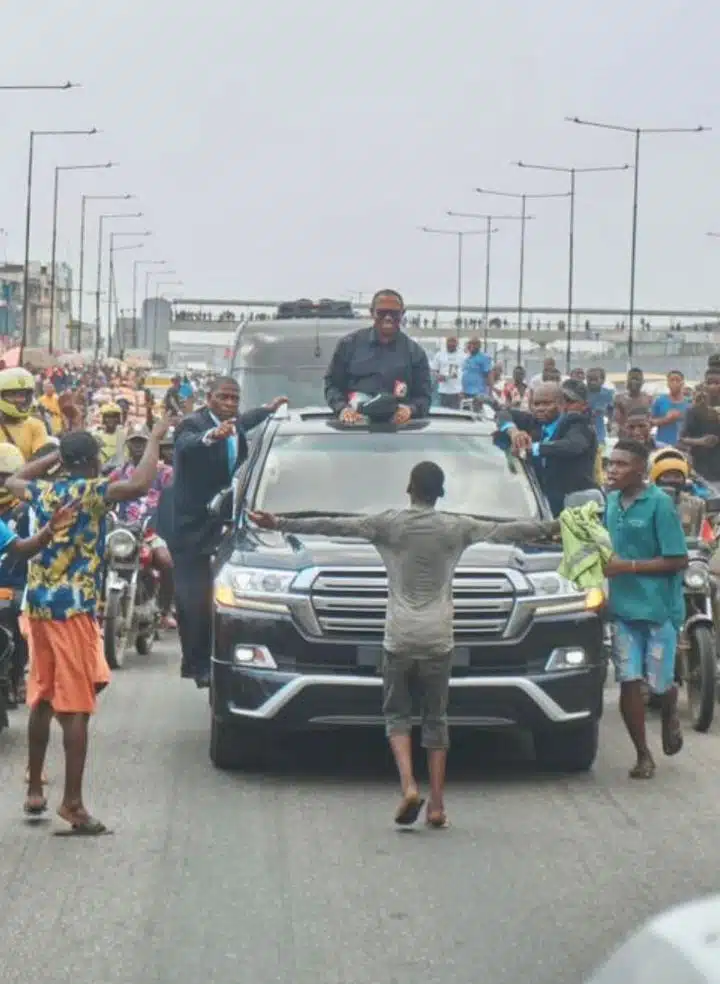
point(351, 604)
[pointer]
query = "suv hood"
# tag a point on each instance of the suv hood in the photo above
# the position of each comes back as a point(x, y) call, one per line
point(293, 551)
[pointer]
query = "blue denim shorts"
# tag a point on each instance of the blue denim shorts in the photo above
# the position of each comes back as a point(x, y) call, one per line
point(645, 651)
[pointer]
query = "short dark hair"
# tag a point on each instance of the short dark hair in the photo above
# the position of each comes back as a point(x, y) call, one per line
point(78, 448)
point(713, 370)
point(634, 448)
point(714, 360)
point(635, 371)
point(223, 381)
point(381, 293)
point(575, 391)
point(676, 372)
point(427, 482)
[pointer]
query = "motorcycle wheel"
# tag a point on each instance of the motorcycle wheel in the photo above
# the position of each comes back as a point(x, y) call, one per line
point(114, 633)
point(701, 677)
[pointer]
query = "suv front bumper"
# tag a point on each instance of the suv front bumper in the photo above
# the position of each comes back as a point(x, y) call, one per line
point(515, 692)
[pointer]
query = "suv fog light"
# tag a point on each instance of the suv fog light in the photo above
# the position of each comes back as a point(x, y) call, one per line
point(259, 656)
point(566, 659)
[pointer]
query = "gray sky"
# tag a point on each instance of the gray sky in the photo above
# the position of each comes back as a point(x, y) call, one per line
point(292, 147)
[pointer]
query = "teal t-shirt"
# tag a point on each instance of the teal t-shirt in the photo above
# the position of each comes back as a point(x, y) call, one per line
point(650, 527)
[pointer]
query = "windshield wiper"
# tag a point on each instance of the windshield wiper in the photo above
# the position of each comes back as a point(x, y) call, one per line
point(312, 514)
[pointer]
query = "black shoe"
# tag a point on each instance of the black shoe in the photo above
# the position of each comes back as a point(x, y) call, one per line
point(202, 681)
point(187, 673)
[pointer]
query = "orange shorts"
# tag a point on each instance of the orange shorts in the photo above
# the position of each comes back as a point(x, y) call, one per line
point(67, 664)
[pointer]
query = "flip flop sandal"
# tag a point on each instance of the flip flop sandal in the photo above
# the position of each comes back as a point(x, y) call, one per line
point(643, 770)
point(672, 738)
point(437, 821)
point(409, 810)
point(35, 807)
point(88, 828)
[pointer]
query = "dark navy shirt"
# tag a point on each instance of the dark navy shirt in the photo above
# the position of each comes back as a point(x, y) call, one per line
point(362, 363)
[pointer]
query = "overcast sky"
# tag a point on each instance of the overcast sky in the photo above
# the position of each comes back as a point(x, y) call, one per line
point(293, 147)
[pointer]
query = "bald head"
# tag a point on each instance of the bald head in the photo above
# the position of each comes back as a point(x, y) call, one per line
point(546, 401)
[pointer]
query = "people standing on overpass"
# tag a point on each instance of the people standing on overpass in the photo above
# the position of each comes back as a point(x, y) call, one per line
point(634, 398)
point(210, 445)
point(559, 438)
point(447, 366)
point(420, 548)
point(379, 361)
point(476, 372)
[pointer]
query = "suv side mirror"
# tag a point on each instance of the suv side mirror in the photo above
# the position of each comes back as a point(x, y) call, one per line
point(580, 498)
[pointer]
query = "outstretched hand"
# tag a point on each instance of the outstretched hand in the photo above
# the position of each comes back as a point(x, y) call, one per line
point(62, 518)
point(163, 425)
point(264, 520)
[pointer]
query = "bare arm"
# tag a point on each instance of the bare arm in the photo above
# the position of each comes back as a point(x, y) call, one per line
point(17, 483)
point(520, 531)
point(364, 527)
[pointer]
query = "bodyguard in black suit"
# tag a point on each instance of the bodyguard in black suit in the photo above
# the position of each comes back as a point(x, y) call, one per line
point(209, 446)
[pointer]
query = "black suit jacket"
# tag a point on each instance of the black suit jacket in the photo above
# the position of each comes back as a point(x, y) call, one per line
point(201, 471)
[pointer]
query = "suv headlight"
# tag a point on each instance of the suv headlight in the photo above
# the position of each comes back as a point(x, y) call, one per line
point(260, 589)
point(550, 583)
point(696, 577)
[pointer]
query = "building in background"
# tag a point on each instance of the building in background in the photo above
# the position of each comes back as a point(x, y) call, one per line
point(39, 283)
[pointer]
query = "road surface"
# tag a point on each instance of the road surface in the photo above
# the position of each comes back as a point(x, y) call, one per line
point(297, 875)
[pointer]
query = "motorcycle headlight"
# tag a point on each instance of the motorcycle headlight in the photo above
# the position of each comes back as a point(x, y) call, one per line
point(696, 577)
point(121, 545)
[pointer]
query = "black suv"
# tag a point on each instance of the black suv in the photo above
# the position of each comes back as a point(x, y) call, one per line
point(298, 621)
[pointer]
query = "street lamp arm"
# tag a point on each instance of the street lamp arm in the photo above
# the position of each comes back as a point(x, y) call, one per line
point(520, 195)
point(64, 86)
point(492, 218)
point(637, 129)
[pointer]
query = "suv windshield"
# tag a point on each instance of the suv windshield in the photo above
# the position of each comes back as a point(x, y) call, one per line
point(368, 472)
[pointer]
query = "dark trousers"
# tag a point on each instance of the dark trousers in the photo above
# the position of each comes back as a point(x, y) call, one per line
point(193, 603)
point(450, 400)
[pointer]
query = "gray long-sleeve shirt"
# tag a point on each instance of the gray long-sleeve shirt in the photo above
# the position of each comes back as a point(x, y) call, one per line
point(420, 548)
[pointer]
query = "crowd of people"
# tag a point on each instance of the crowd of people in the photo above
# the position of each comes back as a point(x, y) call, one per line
point(76, 444)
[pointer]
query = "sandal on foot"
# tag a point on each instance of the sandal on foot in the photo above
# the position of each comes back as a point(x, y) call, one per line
point(409, 810)
point(84, 828)
point(437, 819)
point(35, 806)
point(672, 738)
point(645, 769)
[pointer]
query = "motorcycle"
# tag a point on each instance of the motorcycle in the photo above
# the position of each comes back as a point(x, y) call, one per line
point(131, 613)
point(696, 661)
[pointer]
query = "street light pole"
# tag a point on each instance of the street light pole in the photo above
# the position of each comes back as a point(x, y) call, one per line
point(83, 206)
point(28, 216)
point(637, 132)
point(98, 287)
point(489, 219)
point(524, 219)
point(111, 271)
point(64, 86)
point(136, 265)
point(53, 251)
point(460, 235)
point(158, 287)
point(572, 171)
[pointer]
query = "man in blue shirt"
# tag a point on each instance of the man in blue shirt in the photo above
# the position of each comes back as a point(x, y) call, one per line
point(476, 371)
point(669, 409)
point(600, 401)
point(646, 600)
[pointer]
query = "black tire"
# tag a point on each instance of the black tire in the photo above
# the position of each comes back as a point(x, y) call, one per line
point(115, 645)
point(234, 747)
point(568, 749)
point(702, 677)
point(144, 644)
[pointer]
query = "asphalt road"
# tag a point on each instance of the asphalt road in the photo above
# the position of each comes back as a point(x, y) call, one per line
point(297, 876)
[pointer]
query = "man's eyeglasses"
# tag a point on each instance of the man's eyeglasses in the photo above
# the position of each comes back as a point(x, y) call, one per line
point(392, 313)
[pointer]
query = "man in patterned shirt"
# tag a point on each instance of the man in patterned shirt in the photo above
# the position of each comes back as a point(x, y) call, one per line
point(64, 585)
point(138, 510)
